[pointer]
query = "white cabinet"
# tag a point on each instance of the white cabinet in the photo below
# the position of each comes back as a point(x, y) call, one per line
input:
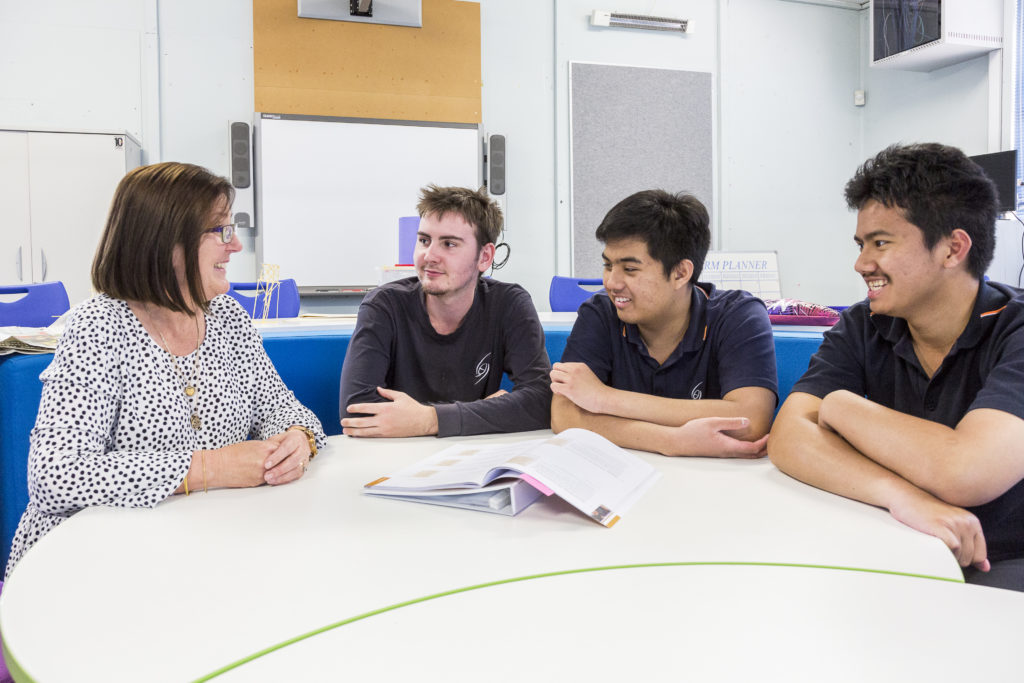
point(55, 192)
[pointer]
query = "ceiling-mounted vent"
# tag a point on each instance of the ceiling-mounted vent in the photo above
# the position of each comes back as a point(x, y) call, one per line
point(620, 20)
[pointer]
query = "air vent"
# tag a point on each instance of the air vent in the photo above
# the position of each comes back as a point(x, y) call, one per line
point(650, 23)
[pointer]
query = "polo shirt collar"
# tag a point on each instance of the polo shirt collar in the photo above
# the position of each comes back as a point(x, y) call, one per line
point(987, 304)
point(696, 329)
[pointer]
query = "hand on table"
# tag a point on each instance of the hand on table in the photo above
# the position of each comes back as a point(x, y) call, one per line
point(578, 383)
point(959, 529)
point(290, 460)
point(708, 436)
point(236, 465)
point(401, 415)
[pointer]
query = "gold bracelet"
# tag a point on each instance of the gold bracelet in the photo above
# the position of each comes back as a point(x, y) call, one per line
point(204, 471)
point(186, 478)
point(310, 436)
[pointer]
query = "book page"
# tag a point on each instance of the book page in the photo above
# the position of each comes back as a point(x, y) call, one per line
point(589, 472)
point(459, 466)
point(585, 469)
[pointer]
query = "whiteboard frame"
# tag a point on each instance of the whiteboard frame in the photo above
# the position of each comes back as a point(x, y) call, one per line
point(333, 242)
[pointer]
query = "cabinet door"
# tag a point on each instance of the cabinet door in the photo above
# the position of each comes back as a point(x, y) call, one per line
point(15, 235)
point(73, 177)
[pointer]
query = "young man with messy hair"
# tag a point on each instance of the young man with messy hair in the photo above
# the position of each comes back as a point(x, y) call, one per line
point(428, 352)
point(913, 402)
point(660, 361)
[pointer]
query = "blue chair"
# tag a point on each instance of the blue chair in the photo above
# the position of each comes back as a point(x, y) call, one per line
point(311, 367)
point(567, 293)
point(284, 302)
point(43, 303)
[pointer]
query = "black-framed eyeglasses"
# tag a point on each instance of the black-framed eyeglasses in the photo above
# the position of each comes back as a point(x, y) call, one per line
point(226, 232)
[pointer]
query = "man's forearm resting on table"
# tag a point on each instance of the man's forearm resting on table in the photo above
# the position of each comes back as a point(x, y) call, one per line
point(702, 436)
point(754, 403)
point(526, 407)
point(967, 466)
point(576, 382)
point(801, 448)
point(818, 456)
point(397, 415)
point(626, 433)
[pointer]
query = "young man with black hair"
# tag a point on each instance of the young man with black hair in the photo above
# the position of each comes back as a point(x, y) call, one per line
point(428, 352)
point(661, 362)
point(913, 402)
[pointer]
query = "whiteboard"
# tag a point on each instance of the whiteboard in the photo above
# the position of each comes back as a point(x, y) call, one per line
point(330, 191)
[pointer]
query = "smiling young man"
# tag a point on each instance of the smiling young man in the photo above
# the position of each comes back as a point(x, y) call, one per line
point(660, 362)
point(913, 402)
point(428, 352)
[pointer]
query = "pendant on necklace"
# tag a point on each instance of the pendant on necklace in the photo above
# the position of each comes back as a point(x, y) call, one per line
point(197, 424)
point(190, 391)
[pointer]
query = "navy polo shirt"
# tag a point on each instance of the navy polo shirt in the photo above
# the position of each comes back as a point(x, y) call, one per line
point(873, 356)
point(728, 345)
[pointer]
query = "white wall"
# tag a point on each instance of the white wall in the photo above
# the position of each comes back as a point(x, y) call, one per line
point(577, 41)
point(949, 105)
point(966, 105)
point(175, 73)
point(77, 65)
point(518, 102)
point(206, 82)
point(791, 140)
point(150, 68)
point(787, 133)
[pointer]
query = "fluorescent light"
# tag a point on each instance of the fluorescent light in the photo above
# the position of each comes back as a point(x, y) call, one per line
point(617, 19)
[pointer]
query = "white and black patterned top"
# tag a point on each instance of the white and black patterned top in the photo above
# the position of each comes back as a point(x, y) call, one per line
point(113, 424)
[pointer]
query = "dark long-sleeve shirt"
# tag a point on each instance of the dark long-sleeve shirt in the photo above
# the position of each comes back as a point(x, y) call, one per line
point(395, 346)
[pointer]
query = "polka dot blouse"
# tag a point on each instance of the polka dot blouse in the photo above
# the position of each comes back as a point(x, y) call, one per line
point(114, 422)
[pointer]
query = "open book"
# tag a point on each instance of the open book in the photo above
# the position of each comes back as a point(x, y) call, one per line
point(585, 469)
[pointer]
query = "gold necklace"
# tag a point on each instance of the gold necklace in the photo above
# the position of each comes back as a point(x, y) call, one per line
point(190, 388)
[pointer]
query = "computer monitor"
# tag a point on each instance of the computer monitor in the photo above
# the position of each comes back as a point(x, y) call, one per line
point(1001, 167)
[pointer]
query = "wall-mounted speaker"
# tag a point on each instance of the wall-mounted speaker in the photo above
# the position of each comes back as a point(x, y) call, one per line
point(496, 164)
point(241, 158)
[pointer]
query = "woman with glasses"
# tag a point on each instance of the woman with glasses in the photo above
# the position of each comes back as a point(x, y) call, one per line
point(159, 384)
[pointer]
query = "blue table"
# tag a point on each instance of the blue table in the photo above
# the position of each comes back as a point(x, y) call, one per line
point(308, 360)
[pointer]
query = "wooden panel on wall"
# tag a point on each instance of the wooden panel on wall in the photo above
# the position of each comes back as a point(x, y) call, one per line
point(340, 68)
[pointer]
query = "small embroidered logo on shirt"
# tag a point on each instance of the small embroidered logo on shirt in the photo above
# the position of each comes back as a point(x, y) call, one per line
point(696, 393)
point(482, 368)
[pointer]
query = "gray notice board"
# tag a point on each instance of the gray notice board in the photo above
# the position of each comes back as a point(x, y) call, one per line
point(633, 128)
point(330, 191)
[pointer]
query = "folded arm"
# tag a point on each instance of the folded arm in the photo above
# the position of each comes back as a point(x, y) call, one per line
point(817, 455)
point(577, 383)
point(711, 436)
point(970, 465)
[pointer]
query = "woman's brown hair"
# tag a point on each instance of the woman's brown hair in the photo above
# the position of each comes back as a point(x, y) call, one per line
point(155, 209)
